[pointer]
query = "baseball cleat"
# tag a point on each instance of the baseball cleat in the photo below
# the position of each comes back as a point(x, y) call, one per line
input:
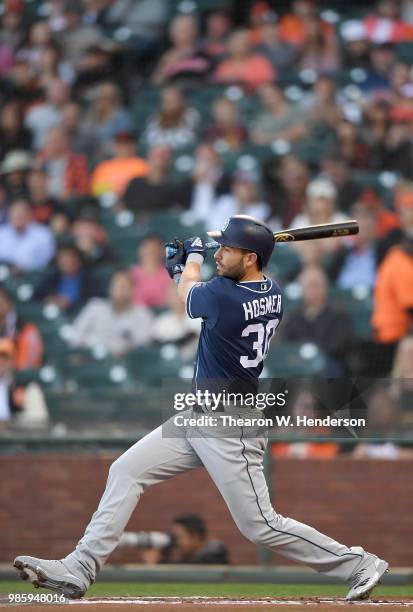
point(365, 579)
point(52, 575)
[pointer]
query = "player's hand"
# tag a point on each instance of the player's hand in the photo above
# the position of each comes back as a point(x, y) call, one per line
point(175, 257)
point(194, 245)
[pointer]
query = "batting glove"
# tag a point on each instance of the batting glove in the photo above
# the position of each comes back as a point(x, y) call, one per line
point(175, 257)
point(194, 245)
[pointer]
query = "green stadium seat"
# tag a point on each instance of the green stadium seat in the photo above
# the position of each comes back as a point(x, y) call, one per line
point(291, 359)
point(152, 364)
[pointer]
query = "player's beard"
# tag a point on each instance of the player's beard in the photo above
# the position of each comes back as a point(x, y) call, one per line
point(235, 272)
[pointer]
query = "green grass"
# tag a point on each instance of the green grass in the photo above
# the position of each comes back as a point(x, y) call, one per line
point(107, 589)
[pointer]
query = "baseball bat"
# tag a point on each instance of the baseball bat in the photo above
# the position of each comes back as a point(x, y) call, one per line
point(311, 232)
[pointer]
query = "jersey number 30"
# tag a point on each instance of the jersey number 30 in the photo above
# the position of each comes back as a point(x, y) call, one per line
point(262, 343)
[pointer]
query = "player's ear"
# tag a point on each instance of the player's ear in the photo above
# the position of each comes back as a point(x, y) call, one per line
point(251, 259)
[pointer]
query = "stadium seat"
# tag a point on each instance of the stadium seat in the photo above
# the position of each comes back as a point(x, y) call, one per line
point(291, 359)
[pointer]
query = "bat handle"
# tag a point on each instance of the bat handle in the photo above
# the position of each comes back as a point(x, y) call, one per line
point(171, 250)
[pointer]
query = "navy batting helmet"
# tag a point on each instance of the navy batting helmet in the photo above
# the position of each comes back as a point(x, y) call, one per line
point(244, 232)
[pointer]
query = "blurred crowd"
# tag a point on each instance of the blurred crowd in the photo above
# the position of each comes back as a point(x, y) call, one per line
point(295, 112)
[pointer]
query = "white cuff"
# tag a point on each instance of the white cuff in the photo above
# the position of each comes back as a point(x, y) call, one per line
point(195, 257)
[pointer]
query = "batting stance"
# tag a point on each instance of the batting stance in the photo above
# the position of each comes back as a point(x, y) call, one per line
point(241, 309)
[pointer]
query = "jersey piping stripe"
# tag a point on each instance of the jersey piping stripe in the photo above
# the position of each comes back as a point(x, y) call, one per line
point(254, 290)
point(266, 520)
point(188, 302)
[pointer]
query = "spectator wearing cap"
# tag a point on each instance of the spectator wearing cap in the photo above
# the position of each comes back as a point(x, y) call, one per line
point(268, 43)
point(150, 279)
point(245, 198)
point(24, 244)
point(320, 208)
point(244, 66)
point(14, 136)
point(67, 284)
point(116, 323)
point(279, 120)
point(393, 304)
point(107, 116)
point(67, 172)
point(175, 125)
point(13, 172)
point(90, 237)
point(183, 60)
point(355, 263)
point(226, 130)
point(41, 117)
point(26, 338)
point(113, 175)
point(356, 46)
point(320, 323)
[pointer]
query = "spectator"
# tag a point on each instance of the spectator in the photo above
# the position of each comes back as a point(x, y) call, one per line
point(67, 172)
point(150, 280)
point(217, 30)
point(321, 106)
point(13, 135)
point(385, 24)
point(207, 182)
point(175, 326)
point(108, 116)
point(39, 36)
point(402, 379)
point(393, 304)
point(9, 400)
point(382, 58)
point(243, 65)
point(386, 220)
point(354, 263)
point(41, 117)
point(151, 193)
point(183, 59)
point(175, 125)
point(350, 146)
point(144, 18)
point(26, 338)
point(335, 169)
point(319, 208)
point(226, 130)
point(82, 139)
point(319, 323)
point(77, 36)
point(269, 44)
point(13, 26)
point(53, 66)
point(116, 324)
point(24, 244)
point(319, 52)
point(294, 26)
point(90, 238)
point(356, 46)
point(245, 198)
point(404, 229)
point(280, 119)
point(113, 175)
point(43, 205)
point(13, 172)
point(286, 181)
point(394, 151)
point(67, 284)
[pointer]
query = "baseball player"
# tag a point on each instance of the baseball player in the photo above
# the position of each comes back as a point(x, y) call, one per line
point(241, 309)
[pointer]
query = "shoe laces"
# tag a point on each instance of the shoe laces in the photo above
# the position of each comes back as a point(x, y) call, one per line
point(357, 578)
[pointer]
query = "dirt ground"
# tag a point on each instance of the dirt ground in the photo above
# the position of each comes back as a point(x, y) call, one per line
point(212, 604)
